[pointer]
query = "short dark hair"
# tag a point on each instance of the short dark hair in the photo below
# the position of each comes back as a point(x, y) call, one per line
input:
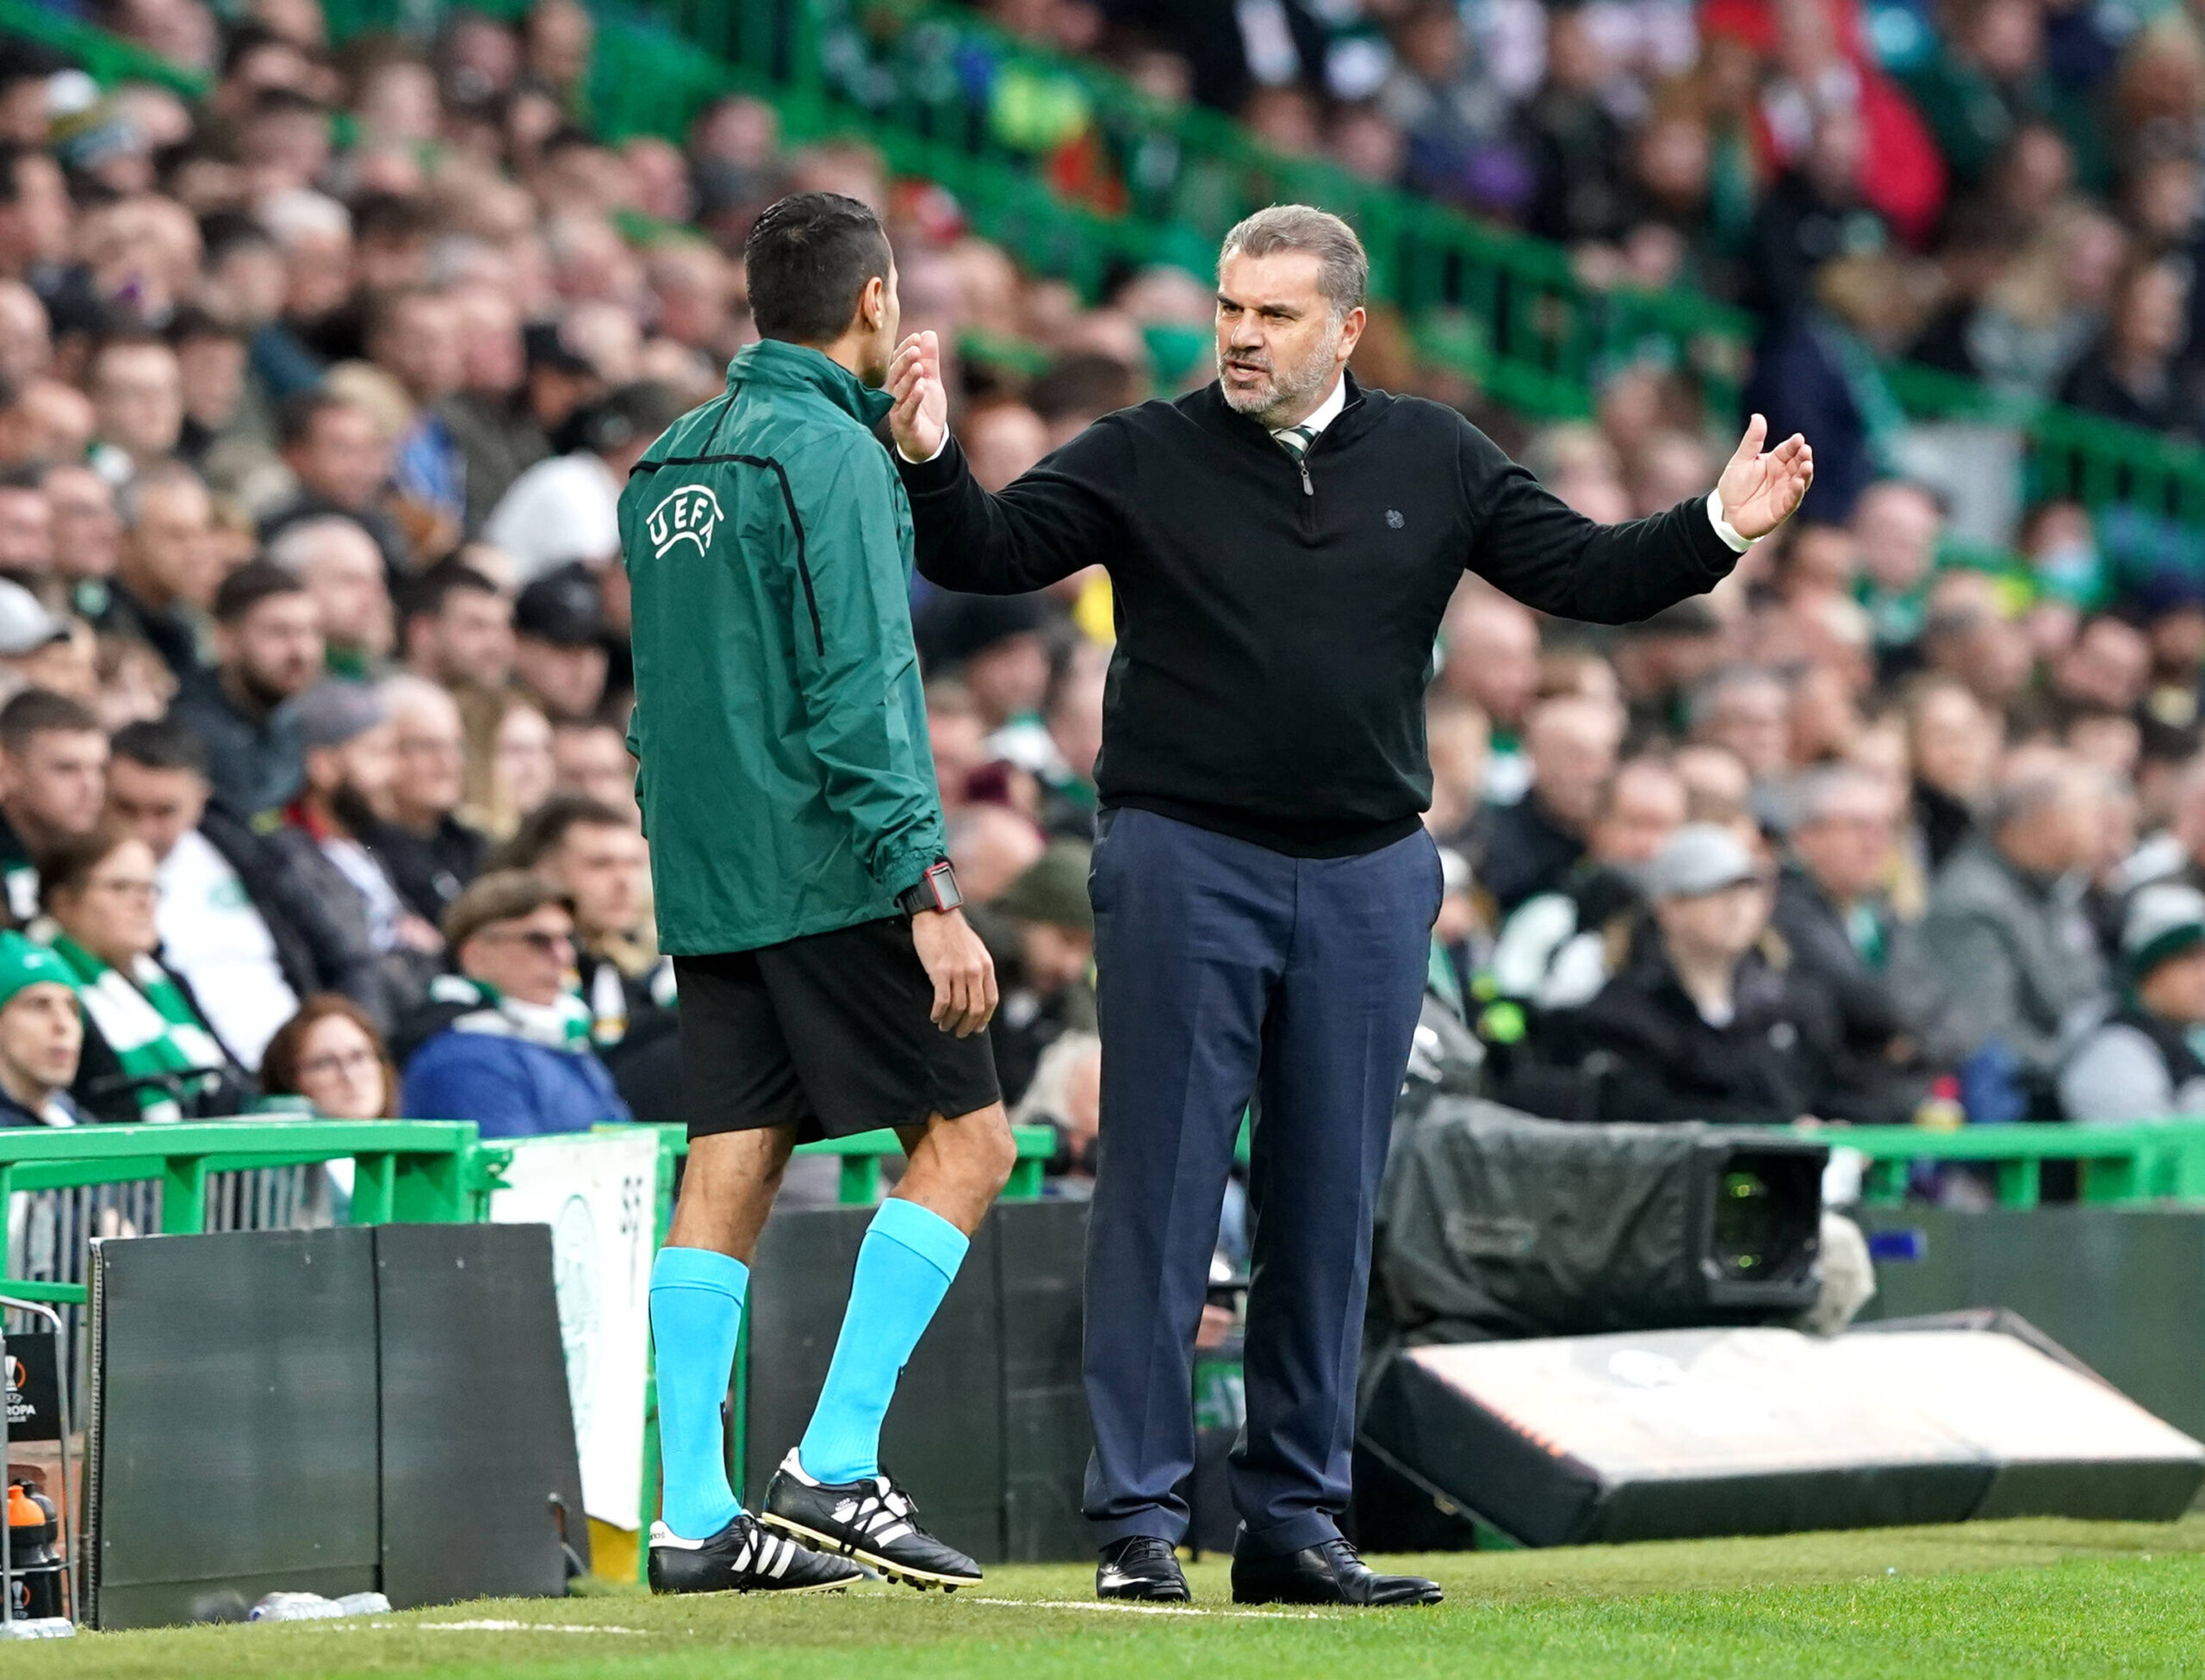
point(425, 598)
point(283, 101)
point(246, 38)
point(255, 581)
point(295, 420)
point(38, 711)
point(66, 867)
point(385, 311)
point(12, 155)
point(544, 829)
point(808, 256)
point(191, 323)
point(221, 231)
point(388, 216)
point(1088, 384)
point(161, 744)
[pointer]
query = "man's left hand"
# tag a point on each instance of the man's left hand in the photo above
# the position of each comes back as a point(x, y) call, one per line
point(1760, 491)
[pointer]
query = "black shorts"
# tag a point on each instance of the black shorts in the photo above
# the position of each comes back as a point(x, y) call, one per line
point(830, 1034)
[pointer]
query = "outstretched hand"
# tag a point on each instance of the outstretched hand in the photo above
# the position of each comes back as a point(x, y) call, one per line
point(1760, 491)
point(920, 418)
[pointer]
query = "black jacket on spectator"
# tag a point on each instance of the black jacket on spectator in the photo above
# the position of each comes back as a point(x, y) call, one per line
point(430, 871)
point(1867, 1078)
point(254, 762)
point(1526, 852)
point(2170, 405)
point(393, 981)
point(645, 1059)
point(13, 1113)
point(499, 440)
point(1945, 820)
point(1795, 231)
point(317, 948)
point(18, 877)
point(1803, 379)
point(164, 629)
point(1662, 1060)
point(1276, 618)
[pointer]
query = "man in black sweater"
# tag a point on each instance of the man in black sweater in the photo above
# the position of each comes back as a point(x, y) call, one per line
point(1283, 544)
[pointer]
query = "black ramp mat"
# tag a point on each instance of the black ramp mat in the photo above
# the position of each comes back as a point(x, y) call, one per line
point(478, 1435)
point(235, 1439)
point(1673, 1433)
point(2121, 1289)
point(1045, 1433)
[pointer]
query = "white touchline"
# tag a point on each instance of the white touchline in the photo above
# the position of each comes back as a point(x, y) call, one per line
point(363, 1624)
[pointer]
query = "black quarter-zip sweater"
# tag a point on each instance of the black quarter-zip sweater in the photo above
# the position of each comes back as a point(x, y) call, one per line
point(1275, 620)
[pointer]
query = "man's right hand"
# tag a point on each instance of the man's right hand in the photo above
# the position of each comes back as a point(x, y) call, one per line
point(962, 973)
point(919, 419)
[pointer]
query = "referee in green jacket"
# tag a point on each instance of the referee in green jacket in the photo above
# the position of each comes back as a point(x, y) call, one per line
point(828, 983)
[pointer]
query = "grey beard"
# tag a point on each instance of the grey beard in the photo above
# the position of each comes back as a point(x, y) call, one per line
point(1288, 391)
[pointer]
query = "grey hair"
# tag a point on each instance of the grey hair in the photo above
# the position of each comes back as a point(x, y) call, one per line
point(1816, 790)
point(1706, 702)
point(1344, 267)
point(297, 546)
point(130, 499)
point(2024, 796)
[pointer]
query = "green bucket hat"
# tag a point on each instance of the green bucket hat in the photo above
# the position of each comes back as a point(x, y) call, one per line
point(1053, 889)
point(24, 963)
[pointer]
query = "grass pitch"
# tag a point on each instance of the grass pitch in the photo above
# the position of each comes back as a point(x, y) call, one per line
point(2000, 1600)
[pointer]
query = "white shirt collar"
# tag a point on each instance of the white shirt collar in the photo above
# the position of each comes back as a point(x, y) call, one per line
point(1326, 412)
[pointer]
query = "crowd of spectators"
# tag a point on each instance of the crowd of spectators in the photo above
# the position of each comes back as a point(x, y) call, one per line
point(316, 397)
point(312, 776)
point(2005, 189)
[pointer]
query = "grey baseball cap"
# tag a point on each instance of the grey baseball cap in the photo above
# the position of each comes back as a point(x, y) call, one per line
point(1700, 858)
point(333, 712)
point(26, 626)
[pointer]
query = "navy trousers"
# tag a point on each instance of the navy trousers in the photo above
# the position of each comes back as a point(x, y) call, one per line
point(1225, 970)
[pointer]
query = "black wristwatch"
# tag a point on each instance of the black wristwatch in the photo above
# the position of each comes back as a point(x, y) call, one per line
point(935, 890)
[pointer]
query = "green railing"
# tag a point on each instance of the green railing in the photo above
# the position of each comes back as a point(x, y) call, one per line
point(419, 1171)
point(106, 58)
point(861, 1156)
point(2160, 1161)
point(946, 97)
point(410, 1171)
point(2068, 455)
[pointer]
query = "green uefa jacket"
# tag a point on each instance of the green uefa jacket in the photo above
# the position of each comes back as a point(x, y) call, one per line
point(785, 777)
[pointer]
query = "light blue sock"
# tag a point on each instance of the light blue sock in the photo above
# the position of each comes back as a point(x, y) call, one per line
point(904, 1265)
point(696, 1312)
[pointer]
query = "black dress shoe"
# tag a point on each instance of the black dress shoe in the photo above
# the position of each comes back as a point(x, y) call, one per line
point(1328, 1574)
point(1140, 1567)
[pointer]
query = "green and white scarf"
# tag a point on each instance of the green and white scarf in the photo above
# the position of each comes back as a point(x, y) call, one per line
point(147, 1021)
point(563, 1024)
